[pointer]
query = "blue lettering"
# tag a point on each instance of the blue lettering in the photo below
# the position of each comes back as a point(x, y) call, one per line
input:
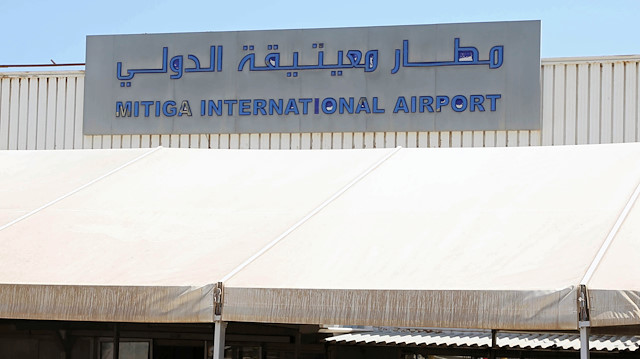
point(292, 107)
point(425, 102)
point(476, 101)
point(329, 105)
point(176, 66)
point(495, 57)
point(305, 105)
point(169, 108)
point(244, 107)
point(229, 104)
point(215, 107)
point(441, 101)
point(275, 106)
point(493, 99)
point(459, 103)
point(345, 105)
point(375, 106)
point(401, 104)
point(123, 109)
point(259, 105)
point(146, 105)
point(363, 105)
point(185, 109)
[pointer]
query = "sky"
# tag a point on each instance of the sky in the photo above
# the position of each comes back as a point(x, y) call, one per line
point(39, 31)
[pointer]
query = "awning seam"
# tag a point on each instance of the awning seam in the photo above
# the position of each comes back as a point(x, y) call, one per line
point(309, 215)
point(51, 203)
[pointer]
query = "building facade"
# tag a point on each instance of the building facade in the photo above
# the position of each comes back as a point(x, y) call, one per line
point(584, 101)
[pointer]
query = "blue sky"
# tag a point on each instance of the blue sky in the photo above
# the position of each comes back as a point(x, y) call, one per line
point(36, 31)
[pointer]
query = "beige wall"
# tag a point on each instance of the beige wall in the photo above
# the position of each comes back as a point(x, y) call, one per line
point(584, 100)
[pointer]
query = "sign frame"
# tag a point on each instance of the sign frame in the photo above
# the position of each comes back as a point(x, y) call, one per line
point(443, 77)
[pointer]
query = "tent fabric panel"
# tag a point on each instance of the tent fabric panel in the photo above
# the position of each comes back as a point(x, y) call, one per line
point(9, 215)
point(620, 265)
point(107, 303)
point(492, 238)
point(513, 310)
point(524, 219)
point(177, 217)
point(506, 223)
point(614, 288)
point(614, 307)
point(30, 179)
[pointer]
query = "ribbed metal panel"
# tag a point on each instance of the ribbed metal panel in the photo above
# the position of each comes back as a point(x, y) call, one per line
point(504, 340)
point(590, 100)
point(41, 111)
point(584, 101)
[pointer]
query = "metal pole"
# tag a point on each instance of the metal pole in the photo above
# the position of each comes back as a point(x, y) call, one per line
point(492, 352)
point(116, 341)
point(584, 322)
point(218, 339)
point(584, 340)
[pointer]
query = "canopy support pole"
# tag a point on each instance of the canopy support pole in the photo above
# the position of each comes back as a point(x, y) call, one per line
point(218, 339)
point(584, 321)
point(492, 349)
point(584, 340)
point(220, 326)
point(116, 341)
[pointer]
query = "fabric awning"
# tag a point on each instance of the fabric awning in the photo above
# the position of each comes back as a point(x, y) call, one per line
point(471, 238)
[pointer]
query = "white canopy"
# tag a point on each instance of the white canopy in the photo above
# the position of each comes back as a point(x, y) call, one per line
point(476, 238)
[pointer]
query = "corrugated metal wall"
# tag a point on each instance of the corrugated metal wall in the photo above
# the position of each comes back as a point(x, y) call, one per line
point(584, 100)
point(590, 100)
